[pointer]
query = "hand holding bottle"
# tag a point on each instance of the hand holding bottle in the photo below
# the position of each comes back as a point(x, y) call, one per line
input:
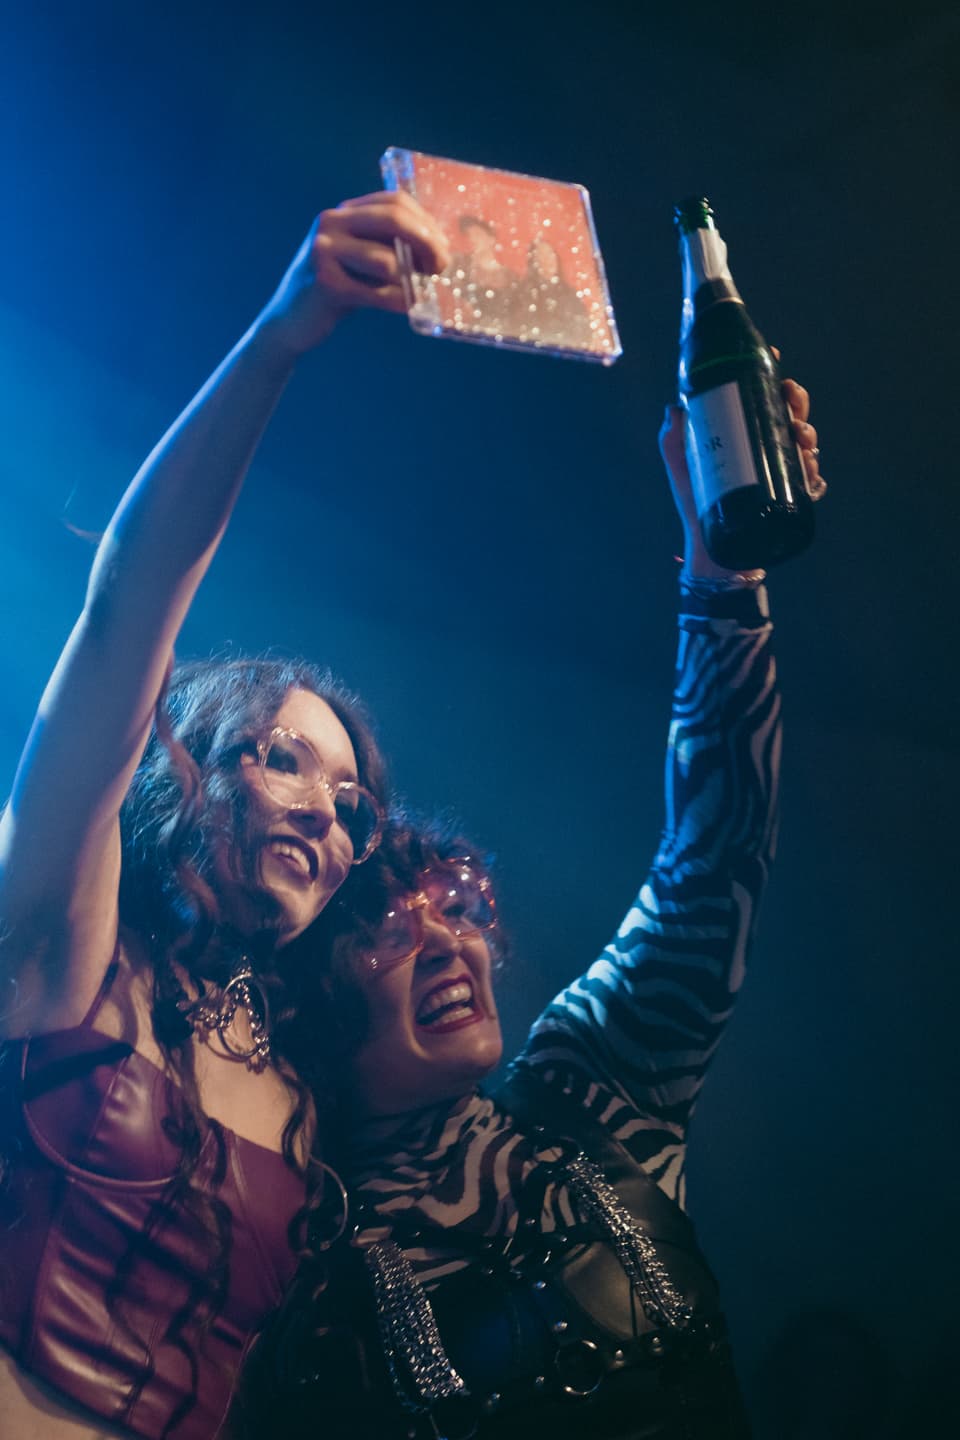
point(672, 438)
point(753, 500)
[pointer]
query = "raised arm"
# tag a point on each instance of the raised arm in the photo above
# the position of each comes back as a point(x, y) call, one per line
point(634, 1036)
point(59, 836)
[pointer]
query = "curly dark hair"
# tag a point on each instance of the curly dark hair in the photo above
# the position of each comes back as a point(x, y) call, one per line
point(333, 1024)
point(184, 789)
point(181, 793)
point(335, 1007)
point(207, 707)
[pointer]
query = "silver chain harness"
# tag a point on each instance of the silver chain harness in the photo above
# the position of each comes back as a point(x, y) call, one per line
point(408, 1330)
point(598, 1201)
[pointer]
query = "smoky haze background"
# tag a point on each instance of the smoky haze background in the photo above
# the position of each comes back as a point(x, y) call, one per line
point(480, 543)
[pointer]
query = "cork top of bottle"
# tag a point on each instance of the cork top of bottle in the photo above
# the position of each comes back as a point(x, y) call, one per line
point(694, 213)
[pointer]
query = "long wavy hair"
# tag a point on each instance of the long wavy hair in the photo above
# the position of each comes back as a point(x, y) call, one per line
point(185, 793)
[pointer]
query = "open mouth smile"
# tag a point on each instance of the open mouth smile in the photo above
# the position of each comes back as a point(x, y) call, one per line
point(298, 858)
point(448, 1006)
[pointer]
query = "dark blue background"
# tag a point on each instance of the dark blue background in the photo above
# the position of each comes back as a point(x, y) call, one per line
point(481, 542)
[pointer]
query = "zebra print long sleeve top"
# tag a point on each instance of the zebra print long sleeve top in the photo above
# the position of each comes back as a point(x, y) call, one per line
point(632, 1038)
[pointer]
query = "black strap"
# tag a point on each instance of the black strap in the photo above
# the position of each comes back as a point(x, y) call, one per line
point(543, 1110)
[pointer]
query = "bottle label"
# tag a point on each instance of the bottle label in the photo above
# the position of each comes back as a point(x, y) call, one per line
point(719, 453)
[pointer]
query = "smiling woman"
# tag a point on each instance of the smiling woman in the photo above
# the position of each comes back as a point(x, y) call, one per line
point(521, 1260)
point(172, 838)
point(432, 1024)
point(204, 814)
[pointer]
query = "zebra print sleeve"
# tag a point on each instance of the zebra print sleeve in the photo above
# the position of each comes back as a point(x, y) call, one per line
point(632, 1038)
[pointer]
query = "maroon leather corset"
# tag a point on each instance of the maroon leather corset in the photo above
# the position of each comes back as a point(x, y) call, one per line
point(99, 1281)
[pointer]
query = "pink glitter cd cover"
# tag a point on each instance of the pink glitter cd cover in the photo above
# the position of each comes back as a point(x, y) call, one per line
point(526, 274)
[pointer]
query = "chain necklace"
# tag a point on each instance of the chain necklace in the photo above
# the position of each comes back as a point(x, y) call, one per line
point(243, 991)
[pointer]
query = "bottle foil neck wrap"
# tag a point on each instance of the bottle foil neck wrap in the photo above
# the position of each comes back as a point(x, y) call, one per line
point(704, 257)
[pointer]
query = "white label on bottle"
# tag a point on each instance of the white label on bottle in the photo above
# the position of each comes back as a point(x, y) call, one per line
point(718, 445)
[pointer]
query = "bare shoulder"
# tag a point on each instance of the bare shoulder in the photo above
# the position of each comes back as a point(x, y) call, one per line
point(253, 1104)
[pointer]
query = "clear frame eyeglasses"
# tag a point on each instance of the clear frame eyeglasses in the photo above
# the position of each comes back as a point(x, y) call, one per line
point(291, 773)
point(457, 893)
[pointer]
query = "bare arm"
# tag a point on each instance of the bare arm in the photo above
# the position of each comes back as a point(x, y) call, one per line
point(59, 837)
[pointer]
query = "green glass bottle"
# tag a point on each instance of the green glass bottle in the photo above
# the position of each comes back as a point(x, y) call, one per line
point(745, 467)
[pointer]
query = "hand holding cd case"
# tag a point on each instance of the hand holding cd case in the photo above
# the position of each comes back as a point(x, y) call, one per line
point(526, 273)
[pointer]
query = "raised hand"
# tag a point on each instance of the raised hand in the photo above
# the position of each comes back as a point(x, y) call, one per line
point(673, 449)
point(349, 261)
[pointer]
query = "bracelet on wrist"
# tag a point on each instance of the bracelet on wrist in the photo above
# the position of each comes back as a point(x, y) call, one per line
point(703, 586)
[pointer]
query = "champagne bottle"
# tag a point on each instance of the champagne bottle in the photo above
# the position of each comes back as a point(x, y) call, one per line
point(745, 467)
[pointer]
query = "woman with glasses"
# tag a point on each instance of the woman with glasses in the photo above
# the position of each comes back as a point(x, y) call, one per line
point(520, 1263)
point(169, 844)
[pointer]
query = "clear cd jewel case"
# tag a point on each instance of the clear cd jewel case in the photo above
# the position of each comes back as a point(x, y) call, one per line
point(526, 273)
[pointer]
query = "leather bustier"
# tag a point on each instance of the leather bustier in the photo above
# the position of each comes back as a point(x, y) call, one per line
point(102, 1273)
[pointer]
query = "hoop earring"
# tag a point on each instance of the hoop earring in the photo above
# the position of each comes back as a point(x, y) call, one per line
point(312, 1245)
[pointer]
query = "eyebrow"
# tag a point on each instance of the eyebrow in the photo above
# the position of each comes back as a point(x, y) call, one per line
point(339, 775)
point(345, 771)
point(349, 775)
